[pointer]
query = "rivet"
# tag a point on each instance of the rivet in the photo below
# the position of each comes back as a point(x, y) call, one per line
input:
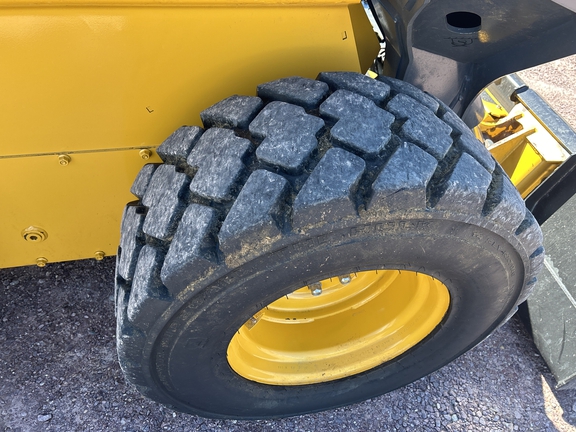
point(41, 262)
point(145, 154)
point(34, 234)
point(315, 288)
point(99, 255)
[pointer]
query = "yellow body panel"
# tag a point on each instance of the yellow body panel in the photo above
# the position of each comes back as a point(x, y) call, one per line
point(78, 205)
point(87, 80)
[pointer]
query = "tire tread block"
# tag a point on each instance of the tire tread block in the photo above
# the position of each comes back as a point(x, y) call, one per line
point(360, 124)
point(529, 233)
point(288, 134)
point(129, 340)
point(399, 86)
point(162, 179)
point(452, 119)
point(235, 112)
point(328, 193)
point(176, 148)
point(401, 185)
point(510, 208)
point(422, 127)
point(303, 92)
point(148, 295)
point(468, 142)
point(218, 158)
point(164, 202)
point(192, 251)
point(537, 260)
point(251, 222)
point(142, 180)
point(536, 266)
point(376, 91)
point(466, 188)
point(131, 241)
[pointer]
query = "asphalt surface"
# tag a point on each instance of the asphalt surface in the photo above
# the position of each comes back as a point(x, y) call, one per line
point(58, 369)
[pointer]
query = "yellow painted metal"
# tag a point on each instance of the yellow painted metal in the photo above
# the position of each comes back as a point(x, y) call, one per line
point(99, 78)
point(527, 151)
point(181, 3)
point(82, 79)
point(313, 335)
point(77, 207)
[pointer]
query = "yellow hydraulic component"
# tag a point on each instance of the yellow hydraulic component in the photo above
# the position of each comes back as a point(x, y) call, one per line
point(527, 151)
point(90, 88)
point(338, 327)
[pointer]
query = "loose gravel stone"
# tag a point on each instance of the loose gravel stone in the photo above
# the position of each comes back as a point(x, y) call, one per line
point(44, 417)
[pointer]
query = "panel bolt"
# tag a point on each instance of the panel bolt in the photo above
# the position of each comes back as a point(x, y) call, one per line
point(41, 262)
point(345, 279)
point(145, 154)
point(34, 234)
point(64, 159)
point(99, 255)
point(315, 288)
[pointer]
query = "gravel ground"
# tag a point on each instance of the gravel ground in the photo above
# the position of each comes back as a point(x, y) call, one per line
point(556, 82)
point(58, 369)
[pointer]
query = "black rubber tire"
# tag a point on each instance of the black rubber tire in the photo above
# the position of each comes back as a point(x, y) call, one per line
point(312, 179)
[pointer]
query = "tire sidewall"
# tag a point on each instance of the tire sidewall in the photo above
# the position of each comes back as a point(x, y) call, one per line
point(482, 271)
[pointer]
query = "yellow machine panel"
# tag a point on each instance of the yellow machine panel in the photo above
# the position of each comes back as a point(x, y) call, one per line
point(87, 80)
point(74, 208)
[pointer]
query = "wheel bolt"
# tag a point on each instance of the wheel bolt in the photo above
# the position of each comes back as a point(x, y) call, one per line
point(315, 288)
point(345, 280)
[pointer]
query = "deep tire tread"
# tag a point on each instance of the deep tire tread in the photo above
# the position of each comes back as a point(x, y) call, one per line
point(206, 233)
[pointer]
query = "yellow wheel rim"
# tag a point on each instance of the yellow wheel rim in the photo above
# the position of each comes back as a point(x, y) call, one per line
point(338, 327)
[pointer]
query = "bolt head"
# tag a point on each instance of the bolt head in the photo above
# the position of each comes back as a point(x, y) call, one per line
point(41, 262)
point(34, 234)
point(64, 160)
point(99, 255)
point(345, 280)
point(145, 154)
point(315, 288)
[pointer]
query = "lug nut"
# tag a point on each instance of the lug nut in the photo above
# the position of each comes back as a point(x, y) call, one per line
point(315, 288)
point(253, 321)
point(345, 279)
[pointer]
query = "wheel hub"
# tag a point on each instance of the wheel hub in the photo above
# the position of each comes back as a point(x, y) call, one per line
point(338, 327)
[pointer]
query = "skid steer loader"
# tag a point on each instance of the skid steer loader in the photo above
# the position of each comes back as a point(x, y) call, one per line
point(327, 226)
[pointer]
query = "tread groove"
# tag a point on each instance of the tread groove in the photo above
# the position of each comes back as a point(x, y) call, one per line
point(439, 182)
point(373, 169)
point(495, 192)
